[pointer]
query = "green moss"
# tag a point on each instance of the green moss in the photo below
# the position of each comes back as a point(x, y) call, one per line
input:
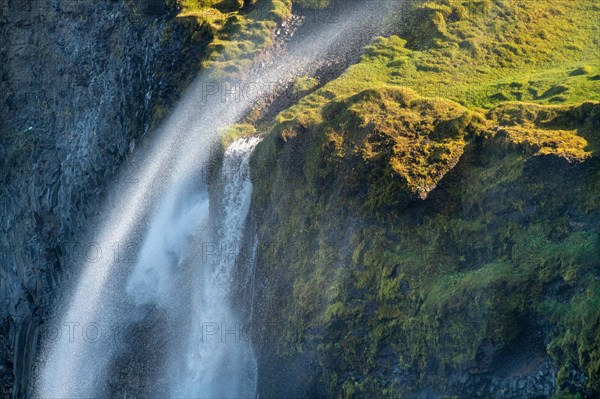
point(437, 290)
point(431, 293)
point(419, 208)
point(578, 341)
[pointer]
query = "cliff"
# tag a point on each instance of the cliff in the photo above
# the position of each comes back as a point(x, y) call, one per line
point(485, 286)
point(81, 84)
point(424, 224)
point(427, 224)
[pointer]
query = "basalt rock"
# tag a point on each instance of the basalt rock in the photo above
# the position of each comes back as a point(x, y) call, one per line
point(80, 83)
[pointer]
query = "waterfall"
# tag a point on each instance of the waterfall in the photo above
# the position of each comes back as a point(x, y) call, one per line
point(149, 312)
point(219, 361)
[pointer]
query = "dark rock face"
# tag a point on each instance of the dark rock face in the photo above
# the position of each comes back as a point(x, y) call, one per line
point(80, 82)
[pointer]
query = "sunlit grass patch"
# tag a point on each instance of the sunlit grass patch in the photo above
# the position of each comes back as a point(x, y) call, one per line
point(237, 33)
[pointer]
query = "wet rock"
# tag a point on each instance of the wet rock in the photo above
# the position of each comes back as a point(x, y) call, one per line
point(73, 84)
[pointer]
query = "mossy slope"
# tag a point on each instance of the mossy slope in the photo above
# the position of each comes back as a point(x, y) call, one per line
point(437, 267)
point(429, 222)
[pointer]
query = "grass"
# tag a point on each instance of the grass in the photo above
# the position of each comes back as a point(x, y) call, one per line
point(550, 130)
point(238, 34)
point(303, 85)
point(486, 53)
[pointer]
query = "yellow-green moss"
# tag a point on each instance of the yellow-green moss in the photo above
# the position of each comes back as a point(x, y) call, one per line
point(437, 290)
point(234, 132)
point(546, 130)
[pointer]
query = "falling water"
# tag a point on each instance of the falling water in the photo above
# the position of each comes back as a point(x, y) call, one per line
point(161, 318)
point(217, 340)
